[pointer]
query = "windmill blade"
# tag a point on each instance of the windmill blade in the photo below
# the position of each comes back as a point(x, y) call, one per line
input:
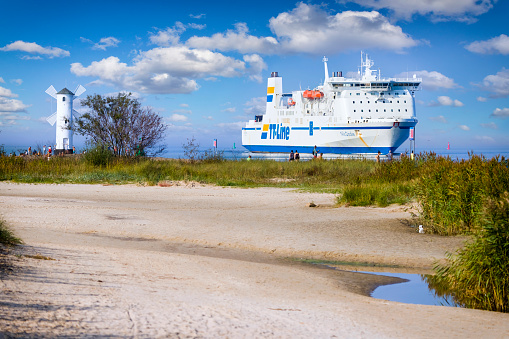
point(75, 113)
point(79, 91)
point(52, 119)
point(52, 91)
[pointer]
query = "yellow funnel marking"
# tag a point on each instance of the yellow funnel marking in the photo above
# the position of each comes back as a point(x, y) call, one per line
point(270, 90)
point(265, 128)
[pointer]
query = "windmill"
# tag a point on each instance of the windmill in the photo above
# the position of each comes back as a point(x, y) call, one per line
point(63, 116)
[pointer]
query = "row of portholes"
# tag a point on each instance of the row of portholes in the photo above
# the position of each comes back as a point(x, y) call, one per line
point(392, 110)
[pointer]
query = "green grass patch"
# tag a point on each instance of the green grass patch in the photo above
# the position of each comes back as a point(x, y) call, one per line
point(7, 237)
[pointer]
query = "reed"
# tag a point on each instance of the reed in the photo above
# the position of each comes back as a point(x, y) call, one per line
point(478, 275)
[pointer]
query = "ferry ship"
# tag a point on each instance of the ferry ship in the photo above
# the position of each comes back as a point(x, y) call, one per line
point(362, 115)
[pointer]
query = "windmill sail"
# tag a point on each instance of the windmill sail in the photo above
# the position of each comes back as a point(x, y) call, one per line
point(52, 91)
point(52, 118)
point(79, 91)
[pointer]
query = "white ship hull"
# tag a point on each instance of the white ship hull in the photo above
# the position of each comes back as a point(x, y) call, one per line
point(344, 116)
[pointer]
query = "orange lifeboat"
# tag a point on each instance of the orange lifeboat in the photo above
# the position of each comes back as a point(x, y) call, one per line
point(291, 102)
point(312, 94)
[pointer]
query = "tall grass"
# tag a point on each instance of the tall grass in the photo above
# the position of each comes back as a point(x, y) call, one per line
point(7, 237)
point(478, 276)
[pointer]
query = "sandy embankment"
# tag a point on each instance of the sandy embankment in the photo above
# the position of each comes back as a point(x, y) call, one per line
point(207, 262)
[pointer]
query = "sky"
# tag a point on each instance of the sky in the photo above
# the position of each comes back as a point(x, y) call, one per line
point(203, 65)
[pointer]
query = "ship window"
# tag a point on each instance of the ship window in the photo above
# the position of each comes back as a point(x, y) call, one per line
point(385, 110)
point(368, 102)
point(392, 110)
point(362, 110)
point(406, 110)
point(353, 101)
point(377, 110)
point(369, 110)
point(361, 102)
point(398, 101)
point(354, 111)
point(399, 110)
point(358, 94)
point(405, 101)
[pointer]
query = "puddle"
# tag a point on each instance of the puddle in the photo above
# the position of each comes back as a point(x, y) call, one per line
point(414, 291)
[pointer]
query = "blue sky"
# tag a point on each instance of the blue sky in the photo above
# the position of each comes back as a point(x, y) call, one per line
point(203, 65)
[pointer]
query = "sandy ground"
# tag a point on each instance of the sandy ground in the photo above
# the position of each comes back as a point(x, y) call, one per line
point(205, 262)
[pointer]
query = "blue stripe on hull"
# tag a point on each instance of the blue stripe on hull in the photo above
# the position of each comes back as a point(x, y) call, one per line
point(309, 149)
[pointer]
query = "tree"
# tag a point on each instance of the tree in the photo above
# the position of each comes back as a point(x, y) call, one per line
point(120, 123)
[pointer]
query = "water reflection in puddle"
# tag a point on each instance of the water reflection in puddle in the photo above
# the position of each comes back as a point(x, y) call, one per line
point(414, 291)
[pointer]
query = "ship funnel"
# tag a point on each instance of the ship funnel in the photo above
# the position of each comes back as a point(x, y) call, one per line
point(274, 75)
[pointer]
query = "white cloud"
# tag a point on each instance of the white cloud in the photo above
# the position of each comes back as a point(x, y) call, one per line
point(439, 118)
point(464, 127)
point(177, 117)
point(12, 105)
point(432, 80)
point(309, 29)
point(17, 81)
point(106, 42)
point(197, 16)
point(4, 92)
point(496, 45)
point(208, 117)
point(231, 126)
point(490, 125)
point(168, 37)
point(2, 80)
point(484, 138)
point(255, 106)
point(166, 69)
point(500, 113)
point(182, 111)
point(256, 66)
point(438, 10)
point(497, 84)
point(237, 40)
point(229, 110)
point(33, 48)
point(184, 105)
point(482, 99)
point(446, 101)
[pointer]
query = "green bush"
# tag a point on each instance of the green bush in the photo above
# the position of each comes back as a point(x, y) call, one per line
point(6, 235)
point(98, 155)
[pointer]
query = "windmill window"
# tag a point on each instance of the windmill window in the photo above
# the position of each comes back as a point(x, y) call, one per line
point(63, 99)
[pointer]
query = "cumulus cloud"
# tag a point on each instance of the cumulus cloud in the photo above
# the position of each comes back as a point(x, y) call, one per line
point(237, 39)
point(2, 80)
point(197, 16)
point(168, 37)
point(106, 42)
point(497, 84)
point(177, 117)
point(443, 10)
point(482, 99)
point(439, 118)
point(256, 66)
point(446, 101)
point(496, 45)
point(182, 111)
point(12, 105)
point(229, 110)
point(464, 127)
point(164, 69)
point(432, 80)
point(17, 81)
point(4, 92)
point(500, 113)
point(309, 29)
point(490, 125)
point(255, 106)
point(33, 48)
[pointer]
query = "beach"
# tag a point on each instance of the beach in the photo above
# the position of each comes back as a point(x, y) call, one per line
point(194, 261)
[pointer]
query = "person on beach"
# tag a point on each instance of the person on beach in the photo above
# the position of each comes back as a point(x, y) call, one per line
point(49, 151)
point(315, 152)
point(297, 155)
point(412, 156)
point(378, 157)
point(291, 156)
point(249, 157)
point(389, 156)
point(44, 149)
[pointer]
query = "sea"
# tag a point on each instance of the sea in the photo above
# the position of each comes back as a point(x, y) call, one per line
point(240, 153)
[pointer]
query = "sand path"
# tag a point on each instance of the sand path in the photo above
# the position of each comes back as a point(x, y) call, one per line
point(190, 261)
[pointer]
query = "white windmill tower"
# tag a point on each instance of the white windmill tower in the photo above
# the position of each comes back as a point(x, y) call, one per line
point(63, 116)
